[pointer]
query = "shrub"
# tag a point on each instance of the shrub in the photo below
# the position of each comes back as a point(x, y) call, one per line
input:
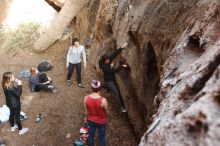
point(24, 35)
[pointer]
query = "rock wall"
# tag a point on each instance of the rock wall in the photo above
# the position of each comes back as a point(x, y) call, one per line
point(172, 86)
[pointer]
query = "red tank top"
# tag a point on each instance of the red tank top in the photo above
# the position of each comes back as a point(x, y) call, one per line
point(95, 111)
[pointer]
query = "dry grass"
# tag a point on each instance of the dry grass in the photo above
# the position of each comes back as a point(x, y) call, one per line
point(22, 36)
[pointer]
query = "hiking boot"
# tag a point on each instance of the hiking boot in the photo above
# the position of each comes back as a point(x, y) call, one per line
point(68, 83)
point(23, 130)
point(80, 85)
point(124, 110)
point(14, 127)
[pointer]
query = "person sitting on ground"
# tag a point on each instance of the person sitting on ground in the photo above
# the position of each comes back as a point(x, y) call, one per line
point(96, 109)
point(13, 89)
point(109, 75)
point(40, 81)
point(74, 61)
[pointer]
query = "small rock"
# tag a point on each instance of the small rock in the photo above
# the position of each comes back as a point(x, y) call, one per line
point(68, 135)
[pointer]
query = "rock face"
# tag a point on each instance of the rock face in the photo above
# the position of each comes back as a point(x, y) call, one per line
point(172, 87)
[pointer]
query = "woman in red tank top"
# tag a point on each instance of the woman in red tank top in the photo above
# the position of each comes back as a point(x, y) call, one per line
point(96, 112)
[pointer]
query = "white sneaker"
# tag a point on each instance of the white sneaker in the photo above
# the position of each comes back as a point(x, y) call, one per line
point(51, 86)
point(68, 83)
point(38, 119)
point(14, 127)
point(23, 130)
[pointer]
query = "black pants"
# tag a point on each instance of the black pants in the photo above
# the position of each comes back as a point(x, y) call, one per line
point(113, 86)
point(78, 71)
point(15, 115)
point(43, 78)
point(42, 87)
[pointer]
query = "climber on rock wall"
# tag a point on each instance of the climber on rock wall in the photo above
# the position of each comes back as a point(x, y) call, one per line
point(109, 75)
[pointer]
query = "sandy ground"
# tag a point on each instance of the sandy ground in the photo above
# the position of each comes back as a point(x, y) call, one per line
point(62, 113)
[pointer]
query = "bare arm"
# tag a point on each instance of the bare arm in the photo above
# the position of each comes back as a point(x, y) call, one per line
point(49, 80)
point(85, 107)
point(105, 105)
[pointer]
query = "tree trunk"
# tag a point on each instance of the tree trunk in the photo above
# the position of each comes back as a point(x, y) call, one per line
point(59, 23)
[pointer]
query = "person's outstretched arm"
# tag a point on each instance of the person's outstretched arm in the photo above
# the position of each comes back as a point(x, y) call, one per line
point(117, 51)
point(115, 54)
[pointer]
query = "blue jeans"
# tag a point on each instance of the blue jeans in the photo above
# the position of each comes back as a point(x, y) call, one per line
point(113, 86)
point(101, 128)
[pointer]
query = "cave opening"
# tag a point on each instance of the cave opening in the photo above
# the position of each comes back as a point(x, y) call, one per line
point(151, 79)
point(194, 44)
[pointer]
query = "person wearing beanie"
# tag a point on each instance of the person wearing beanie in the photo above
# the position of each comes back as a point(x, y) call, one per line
point(109, 75)
point(96, 109)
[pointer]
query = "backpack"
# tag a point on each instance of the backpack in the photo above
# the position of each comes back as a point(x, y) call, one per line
point(44, 66)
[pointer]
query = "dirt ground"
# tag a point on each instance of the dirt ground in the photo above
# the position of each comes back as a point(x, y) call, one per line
point(62, 113)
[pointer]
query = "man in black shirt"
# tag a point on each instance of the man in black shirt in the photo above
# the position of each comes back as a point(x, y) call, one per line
point(109, 75)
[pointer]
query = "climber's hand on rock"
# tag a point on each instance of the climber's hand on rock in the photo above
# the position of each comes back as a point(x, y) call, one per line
point(125, 65)
point(124, 45)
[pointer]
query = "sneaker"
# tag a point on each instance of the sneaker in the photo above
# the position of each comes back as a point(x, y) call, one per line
point(68, 83)
point(23, 130)
point(80, 85)
point(124, 110)
point(54, 91)
point(14, 127)
point(23, 117)
point(51, 86)
point(38, 118)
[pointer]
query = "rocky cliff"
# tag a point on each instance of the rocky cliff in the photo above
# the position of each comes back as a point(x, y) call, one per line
point(172, 87)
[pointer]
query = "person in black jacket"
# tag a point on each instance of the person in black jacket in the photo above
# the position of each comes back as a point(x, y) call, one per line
point(12, 89)
point(109, 75)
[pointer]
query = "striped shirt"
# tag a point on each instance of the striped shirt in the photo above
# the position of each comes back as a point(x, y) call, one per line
point(74, 55)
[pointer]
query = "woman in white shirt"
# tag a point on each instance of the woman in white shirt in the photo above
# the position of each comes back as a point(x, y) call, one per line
point(75, 52)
